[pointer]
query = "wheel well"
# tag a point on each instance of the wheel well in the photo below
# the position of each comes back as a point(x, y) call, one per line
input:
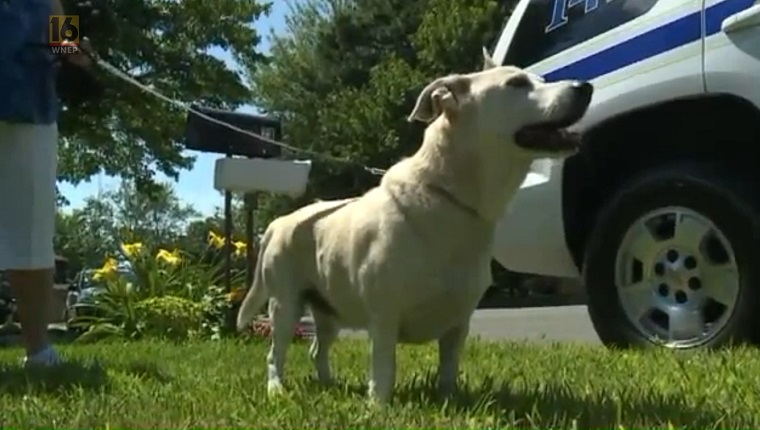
point(715, 128)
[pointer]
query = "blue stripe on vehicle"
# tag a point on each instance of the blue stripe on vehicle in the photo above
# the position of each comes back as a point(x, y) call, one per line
point(654, 42)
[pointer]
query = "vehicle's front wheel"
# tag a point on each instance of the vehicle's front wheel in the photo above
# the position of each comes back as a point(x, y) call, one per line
point(672, 261)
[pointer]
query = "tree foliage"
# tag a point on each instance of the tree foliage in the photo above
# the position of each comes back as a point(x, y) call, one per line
point(164, 43)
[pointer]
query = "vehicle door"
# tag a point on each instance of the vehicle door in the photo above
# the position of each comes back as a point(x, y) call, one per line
point(732, 48)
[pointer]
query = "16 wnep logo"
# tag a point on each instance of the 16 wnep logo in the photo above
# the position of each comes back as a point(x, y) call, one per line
point(64, 34)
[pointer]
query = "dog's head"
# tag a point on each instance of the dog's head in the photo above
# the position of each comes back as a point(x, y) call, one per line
point(509, 105)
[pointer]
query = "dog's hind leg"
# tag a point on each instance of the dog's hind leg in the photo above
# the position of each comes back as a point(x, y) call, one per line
point(284, 314)
point(450, 347)
point(326, 330)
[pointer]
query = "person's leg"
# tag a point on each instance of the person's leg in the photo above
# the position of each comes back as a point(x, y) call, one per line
point(28, 167)
point(33, 291)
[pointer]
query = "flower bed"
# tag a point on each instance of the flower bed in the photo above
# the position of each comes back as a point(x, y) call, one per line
point(262, 328)
point(165, 292)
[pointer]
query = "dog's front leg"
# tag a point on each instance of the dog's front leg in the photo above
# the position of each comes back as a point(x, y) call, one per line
point(383, 335)
point(450, 347)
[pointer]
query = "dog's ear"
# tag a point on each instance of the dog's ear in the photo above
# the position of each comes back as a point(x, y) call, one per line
point(444, 95)
point(488, 62)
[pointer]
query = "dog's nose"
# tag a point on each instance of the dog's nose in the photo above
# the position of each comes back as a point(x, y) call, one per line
point(584, 89)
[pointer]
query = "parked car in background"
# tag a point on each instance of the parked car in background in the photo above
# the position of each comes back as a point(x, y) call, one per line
point(80, 299)
point(80, 295)
point(658, 211)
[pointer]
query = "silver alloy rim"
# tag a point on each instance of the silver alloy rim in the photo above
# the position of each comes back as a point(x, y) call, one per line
point(676, 277)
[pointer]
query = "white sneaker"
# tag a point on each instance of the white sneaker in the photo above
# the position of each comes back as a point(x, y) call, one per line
point(47, 357)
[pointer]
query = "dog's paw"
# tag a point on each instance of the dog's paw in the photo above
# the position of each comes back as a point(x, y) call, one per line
point(275, 388)
point(377, 400)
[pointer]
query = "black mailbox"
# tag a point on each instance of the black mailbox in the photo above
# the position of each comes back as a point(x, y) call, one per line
point(208, 136)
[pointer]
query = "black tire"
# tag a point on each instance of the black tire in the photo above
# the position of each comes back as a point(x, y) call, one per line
point(712, 192)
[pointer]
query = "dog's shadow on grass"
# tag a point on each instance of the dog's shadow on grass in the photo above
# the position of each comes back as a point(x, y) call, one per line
point(550, 404)
point(74, 375)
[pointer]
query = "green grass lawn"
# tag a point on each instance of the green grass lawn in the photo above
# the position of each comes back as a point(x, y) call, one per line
point(222, 384)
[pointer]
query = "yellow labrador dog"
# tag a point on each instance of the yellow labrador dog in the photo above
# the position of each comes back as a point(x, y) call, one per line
point(410, 259)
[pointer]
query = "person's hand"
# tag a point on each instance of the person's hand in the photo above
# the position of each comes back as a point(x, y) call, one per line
point(79, 58)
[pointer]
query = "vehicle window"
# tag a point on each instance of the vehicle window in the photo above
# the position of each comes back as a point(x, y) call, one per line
point(552, 26)
point(504, 11)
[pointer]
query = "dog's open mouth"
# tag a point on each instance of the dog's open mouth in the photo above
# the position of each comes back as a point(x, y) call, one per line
point(547, 138)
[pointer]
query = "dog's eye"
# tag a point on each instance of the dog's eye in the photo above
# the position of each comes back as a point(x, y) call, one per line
point(519, 81)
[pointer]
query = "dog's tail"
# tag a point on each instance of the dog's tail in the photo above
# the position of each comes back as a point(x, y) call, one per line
point(257, 294)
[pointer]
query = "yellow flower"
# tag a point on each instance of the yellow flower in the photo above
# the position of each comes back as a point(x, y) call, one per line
point(110, 266)
point(132, 249)
point(236, 295)
point(168, 257)
point(239, 248)
point(215, 240)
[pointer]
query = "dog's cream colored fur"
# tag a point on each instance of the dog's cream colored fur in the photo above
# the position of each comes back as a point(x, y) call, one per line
point(410, 259)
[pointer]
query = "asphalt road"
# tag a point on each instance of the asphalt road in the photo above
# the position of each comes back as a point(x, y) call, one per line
point(549, 324)
point(552, 324)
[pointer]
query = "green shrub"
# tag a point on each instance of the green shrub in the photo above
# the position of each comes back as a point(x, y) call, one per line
point(170, 317)
point(164, 294)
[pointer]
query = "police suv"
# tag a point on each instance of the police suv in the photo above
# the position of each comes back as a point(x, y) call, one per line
point(658, 212)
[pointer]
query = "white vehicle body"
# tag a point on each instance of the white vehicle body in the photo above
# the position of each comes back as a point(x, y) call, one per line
point(677, 49)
